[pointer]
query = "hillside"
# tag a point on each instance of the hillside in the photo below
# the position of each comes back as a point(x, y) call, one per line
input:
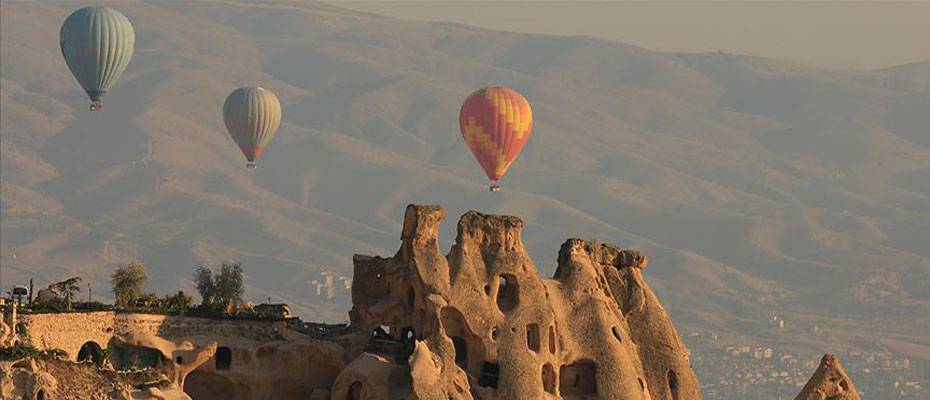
point(757, 186)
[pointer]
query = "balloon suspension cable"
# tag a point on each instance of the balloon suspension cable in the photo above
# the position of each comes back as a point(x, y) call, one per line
point(96, 106)
point(250, 165)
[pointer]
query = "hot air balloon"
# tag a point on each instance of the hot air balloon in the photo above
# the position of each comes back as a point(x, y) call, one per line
point(496, 123)
point(252, 116)
point(97, 43)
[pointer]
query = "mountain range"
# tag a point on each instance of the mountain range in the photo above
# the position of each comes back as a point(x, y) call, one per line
point(757, 187)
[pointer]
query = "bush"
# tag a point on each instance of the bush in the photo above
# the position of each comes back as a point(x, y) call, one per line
point(92, 306)
point(128, 282)
point(176, 303)
point(60, 306)
point(147, 300)
point(212, 310)
point(17, 352)
point(222, 286)
point(50, 307)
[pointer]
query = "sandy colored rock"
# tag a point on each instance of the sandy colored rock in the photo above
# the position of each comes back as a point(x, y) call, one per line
point(49, 378)
point(8, 321)
point(829, 382)
point(496, 330)
point(372, 377)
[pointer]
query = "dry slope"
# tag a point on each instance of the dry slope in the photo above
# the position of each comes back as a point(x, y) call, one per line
point(757, 183)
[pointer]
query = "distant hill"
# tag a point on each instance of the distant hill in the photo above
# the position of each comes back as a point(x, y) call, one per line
point(756, 186)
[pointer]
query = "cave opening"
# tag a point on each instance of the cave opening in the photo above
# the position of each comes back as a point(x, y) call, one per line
point(461, 352)
point(616, 332)
point(408, 333)
point(508, 292)
point(489, 374)
point(355, 391)
point(468, 346)
point(548, 378)
point(552, 339)
point(577, 379)
point(532, 337)
point(382, 331)
point(673, 384)
point(91, 351)
point(223, 358)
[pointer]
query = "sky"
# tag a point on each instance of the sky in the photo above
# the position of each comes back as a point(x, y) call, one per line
point(832, 34)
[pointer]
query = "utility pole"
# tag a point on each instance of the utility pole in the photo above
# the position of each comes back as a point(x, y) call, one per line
point(30, 292)
point(89, 292)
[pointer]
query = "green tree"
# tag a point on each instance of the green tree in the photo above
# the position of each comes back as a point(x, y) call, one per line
point(228, 284)
point(220, 287)
point(177, 302)
point(203, 279)
point(68, 288)
point(148, 300)
point(128, 283)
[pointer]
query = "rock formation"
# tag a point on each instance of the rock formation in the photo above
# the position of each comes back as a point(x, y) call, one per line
point(45, 377)
point(481, 323)
point(829, 382)
point(476, 323)
point(181, 359)
point(8, 326)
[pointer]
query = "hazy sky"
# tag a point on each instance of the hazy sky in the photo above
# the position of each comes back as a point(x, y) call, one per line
point(832, 34)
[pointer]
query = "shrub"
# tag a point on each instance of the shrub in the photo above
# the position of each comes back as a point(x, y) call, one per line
point(92, 306)
point(222, 286)
point(50, 307)
point(17, 352)
point(176, 303)
point(128, 283)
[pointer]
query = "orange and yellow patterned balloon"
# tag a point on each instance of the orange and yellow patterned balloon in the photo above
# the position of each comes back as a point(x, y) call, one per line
point(496, 123)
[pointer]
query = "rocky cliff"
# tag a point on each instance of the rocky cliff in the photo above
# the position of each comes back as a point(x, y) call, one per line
point(486, 325)
point(829, 382)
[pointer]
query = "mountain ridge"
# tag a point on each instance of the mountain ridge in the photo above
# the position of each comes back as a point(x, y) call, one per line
point(754, 191)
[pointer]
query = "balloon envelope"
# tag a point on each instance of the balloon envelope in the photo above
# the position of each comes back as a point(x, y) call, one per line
point(252, 116)
point(496, 123)
point(97, 44)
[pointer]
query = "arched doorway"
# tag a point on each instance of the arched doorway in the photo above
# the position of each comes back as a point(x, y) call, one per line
point(223, 358)
point(91, 351)
point(355, 391)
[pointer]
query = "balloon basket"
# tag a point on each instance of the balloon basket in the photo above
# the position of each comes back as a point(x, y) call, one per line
point(250, 165)
point(96, 106)
point(494, 188)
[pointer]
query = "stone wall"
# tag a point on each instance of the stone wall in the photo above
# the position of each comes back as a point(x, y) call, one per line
point(70, 331)
point(67, 331)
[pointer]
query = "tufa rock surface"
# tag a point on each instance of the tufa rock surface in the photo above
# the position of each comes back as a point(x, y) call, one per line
point(829, 382)
point(480, 323)
point(47, 377)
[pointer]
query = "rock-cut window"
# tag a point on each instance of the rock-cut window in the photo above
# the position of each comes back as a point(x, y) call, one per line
point(223, 358)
